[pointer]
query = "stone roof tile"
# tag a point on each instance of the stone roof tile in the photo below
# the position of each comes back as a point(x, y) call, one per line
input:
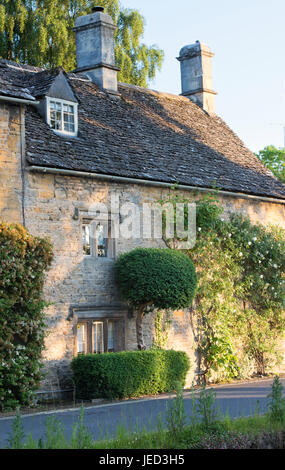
point(144, 134)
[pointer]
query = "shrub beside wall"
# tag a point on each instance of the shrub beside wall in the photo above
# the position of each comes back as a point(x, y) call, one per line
point(23, 261)
point(128, 373)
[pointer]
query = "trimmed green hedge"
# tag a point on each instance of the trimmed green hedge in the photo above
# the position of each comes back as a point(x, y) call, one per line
point(128, 373)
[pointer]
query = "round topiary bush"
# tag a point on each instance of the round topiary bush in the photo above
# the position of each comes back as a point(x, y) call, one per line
point(162, 278)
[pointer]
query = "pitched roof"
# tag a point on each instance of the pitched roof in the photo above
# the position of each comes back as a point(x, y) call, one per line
point(33, 80)
point(10, 85)
point(145, 135)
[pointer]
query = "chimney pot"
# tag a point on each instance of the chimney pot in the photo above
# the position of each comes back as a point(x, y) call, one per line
point(95, 9)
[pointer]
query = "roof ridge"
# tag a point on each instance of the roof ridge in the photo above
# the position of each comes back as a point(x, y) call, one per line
point(155, 92)
point(21, 67)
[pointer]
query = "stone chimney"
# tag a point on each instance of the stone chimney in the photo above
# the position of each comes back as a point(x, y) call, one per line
point(196, 75)
point(95, 49)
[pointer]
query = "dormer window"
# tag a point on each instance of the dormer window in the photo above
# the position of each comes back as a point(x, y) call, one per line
point(62, 116)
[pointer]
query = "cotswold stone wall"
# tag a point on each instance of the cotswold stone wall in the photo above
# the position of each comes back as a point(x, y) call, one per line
point(54, 207)
point(258, 211)
point(10, 163)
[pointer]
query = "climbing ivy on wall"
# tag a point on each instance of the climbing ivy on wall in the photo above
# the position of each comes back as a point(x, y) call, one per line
point(23, 262)
point(239, 305)
point(162, 325)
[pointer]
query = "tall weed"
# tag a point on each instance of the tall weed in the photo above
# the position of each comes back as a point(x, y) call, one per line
point(276, 404)
point(206, 407)
point(176, 418)
point(16, 437)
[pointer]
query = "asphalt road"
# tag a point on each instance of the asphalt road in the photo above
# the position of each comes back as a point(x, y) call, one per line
point(103, 420)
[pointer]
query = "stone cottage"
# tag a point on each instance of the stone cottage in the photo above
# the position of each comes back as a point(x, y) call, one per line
point(71, 140)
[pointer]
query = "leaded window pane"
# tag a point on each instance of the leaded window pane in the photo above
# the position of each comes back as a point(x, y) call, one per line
point(111, 335)
point(101, 241)
point(55, 115)
point(69, 127)
point(86, 239)
point(98, 338)
point(68, 117)
point(81, 339)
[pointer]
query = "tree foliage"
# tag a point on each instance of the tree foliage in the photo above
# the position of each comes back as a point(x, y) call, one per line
point(23, 261)
point(39, 33)
point(159, 278)
point(274, 159)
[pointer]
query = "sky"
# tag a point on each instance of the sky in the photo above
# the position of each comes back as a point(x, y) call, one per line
point(248, 39)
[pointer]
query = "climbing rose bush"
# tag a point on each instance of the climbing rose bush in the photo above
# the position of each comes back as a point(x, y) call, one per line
point(239, 303)
point(23, 262)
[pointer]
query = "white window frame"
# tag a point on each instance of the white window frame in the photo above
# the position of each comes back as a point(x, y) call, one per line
point(62, 102)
